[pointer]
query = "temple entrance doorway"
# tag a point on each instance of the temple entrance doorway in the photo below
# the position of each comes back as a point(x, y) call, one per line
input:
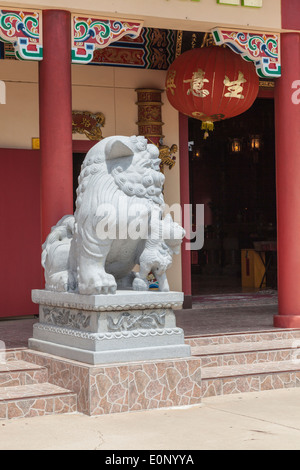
point(232, 172)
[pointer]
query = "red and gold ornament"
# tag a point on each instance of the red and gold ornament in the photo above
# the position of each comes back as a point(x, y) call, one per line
point(211, 84)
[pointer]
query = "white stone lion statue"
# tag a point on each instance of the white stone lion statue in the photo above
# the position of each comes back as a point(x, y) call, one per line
point(118, 224)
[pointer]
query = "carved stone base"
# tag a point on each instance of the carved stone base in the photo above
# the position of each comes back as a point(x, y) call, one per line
point(104, 329)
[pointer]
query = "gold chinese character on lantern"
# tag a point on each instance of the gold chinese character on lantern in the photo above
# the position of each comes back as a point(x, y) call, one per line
point(235, 88)
point(171, 82)
point(197, 84)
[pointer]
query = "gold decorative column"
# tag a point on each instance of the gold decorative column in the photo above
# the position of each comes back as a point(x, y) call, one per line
point(150, 123)
point(149, 114)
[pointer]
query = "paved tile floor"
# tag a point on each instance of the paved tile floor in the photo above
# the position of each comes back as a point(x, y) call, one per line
point(15, 333)
point(213, 321)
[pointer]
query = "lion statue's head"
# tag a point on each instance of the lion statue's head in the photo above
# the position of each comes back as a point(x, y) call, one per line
point(131, 161)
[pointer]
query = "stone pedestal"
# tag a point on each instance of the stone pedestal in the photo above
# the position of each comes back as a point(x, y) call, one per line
point(104, 329)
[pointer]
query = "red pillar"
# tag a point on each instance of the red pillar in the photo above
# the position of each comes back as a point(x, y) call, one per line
point(185, 199)
point(55, 98)
point(287, 112)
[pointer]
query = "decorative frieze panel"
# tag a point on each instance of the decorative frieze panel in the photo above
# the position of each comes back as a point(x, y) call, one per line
point(89, 34)
point(22, 28)
point(261, 48)
point(67, 318)
point(153, 49)
point(132, 321)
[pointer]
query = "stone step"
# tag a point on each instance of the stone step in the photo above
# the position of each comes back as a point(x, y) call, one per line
point(17, 372)
point(250, 378)
point(14, 354)
point(270, 335)
point(230, 354)
point(26, 401)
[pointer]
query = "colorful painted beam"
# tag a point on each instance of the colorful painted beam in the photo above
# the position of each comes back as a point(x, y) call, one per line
point(89, 34)
point(261, 48)
point(22, 28)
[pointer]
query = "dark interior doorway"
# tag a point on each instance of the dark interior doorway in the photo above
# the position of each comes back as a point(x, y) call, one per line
point(232, 173)
point(77, 162)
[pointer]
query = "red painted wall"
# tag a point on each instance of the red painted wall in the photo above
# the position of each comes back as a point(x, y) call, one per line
point(266, 93)
point(290, 12)
point(83, 146)
point(20, 228)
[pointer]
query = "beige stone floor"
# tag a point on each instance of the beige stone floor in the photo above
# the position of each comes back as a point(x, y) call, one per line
point(255, 421)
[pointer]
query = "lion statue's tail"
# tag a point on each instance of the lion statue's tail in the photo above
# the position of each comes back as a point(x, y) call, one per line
point(56, 256)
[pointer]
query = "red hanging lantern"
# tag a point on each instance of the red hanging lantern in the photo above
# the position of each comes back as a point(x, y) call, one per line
point(211, 84)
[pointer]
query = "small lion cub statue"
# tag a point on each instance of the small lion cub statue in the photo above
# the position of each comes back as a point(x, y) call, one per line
point(118, 224)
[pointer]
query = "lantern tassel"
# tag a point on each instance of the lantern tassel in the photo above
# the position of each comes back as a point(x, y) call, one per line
point(207, 126)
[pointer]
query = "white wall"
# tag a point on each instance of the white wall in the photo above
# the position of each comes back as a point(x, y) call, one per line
point(19, 117)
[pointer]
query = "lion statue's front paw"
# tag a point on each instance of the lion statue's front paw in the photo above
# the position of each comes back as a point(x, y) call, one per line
point(58, 282)
point(139, 284)
point(101, 283)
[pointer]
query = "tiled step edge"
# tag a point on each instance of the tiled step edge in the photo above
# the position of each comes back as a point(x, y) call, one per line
point(249, 378)
point(18, 373)
point(197, 341)
point(35, 400)
point(13, 354)
point(247, 353)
